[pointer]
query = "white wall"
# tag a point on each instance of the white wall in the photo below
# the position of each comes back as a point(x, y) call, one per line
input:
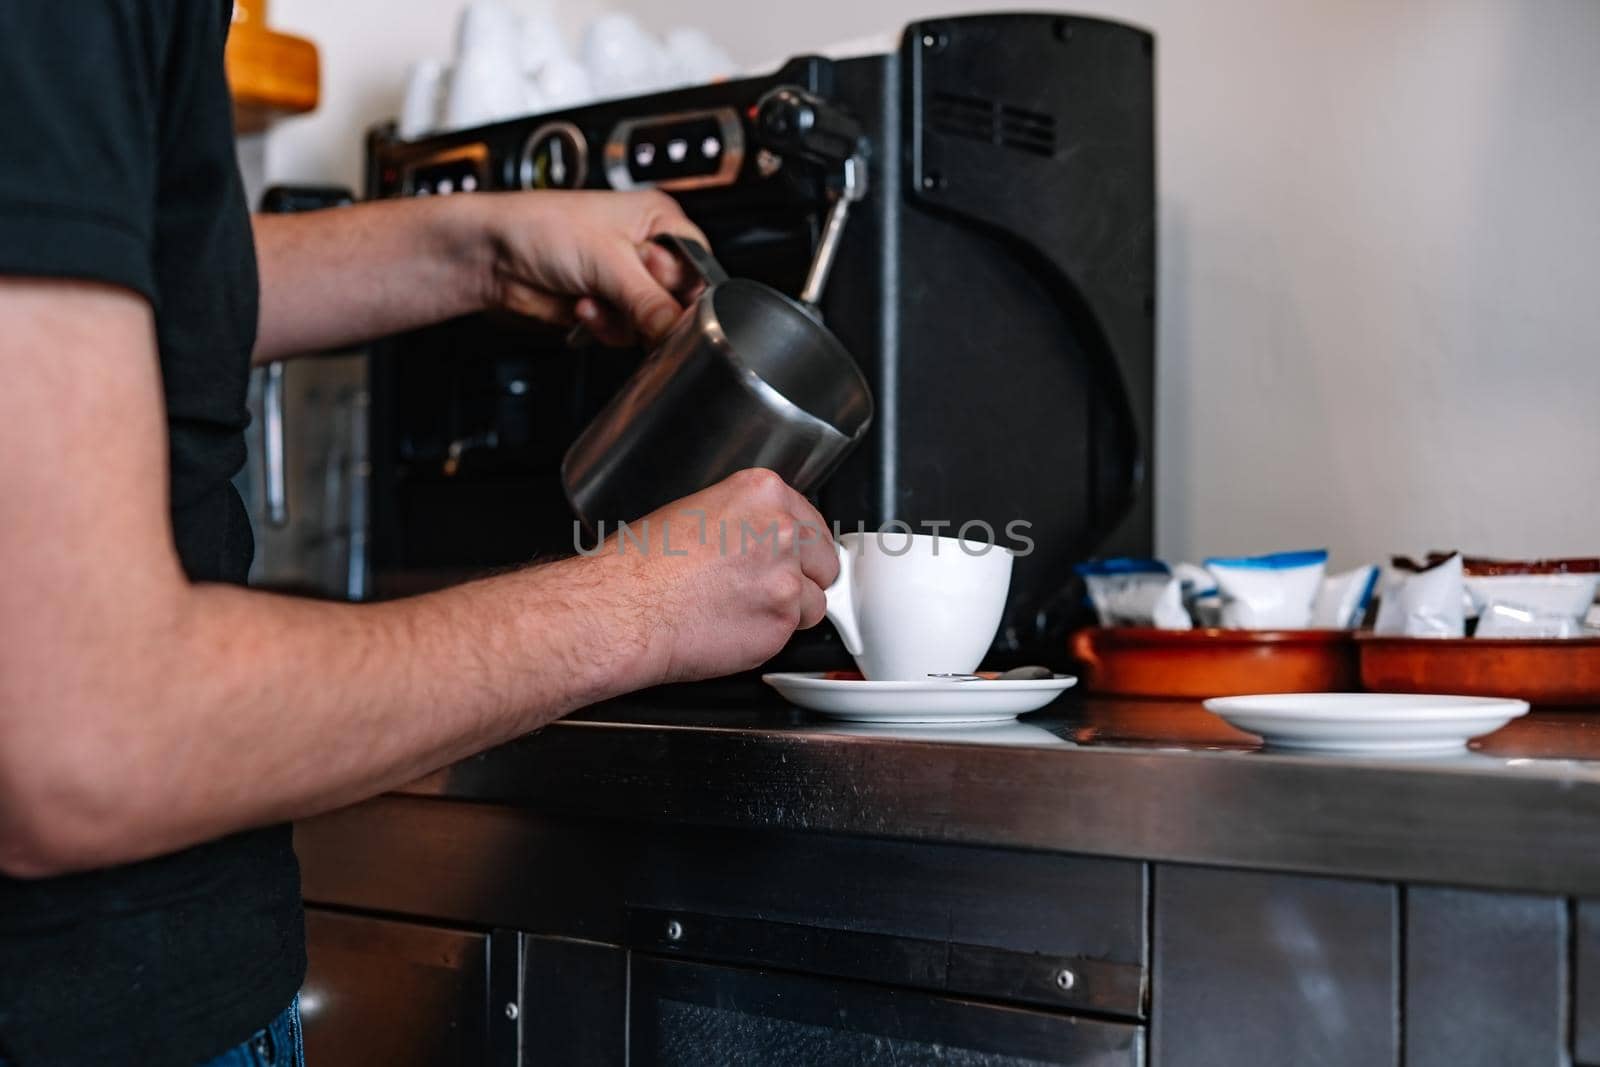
point(1380, 243)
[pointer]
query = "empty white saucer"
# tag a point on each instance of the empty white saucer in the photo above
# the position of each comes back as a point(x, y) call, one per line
point(1376, 723)
point(935, 700)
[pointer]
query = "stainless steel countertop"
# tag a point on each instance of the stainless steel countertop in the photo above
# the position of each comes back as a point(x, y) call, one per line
point(1137, 779)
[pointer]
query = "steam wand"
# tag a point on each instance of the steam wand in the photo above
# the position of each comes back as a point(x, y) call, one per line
point(795, 123)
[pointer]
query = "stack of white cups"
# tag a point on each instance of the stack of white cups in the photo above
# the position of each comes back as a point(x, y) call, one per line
point(487, 83)
point(510, 62)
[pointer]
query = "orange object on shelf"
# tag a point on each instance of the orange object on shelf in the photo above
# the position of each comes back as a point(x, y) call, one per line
point(1197, 664)
point(271, 74)
point(1548, 671)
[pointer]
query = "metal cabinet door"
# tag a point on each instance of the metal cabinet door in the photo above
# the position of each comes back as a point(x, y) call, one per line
point(1586, 984)
point(1486, 979)
point(685, 1014)
point(394, 993)
point(1253, 968)
point(574, 1003)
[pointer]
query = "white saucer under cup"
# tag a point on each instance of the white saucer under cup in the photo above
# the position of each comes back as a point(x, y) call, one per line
point(931, 700)
point(1402, 724)
point(911, 605)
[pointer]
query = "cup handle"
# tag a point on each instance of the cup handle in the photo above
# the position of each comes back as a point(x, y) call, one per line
point(841, 599)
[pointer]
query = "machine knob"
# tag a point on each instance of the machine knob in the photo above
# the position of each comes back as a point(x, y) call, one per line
point(793, 122)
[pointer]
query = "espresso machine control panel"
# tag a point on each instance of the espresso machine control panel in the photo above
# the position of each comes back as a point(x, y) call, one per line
point(699, 138)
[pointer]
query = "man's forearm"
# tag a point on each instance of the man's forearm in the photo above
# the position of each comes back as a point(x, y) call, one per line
point(246, 708)
point(330, 279)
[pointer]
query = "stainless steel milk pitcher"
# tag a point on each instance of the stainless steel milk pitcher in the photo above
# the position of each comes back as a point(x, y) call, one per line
point(747, 377)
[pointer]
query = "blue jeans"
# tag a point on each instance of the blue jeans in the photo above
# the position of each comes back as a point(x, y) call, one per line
point(278, 1045)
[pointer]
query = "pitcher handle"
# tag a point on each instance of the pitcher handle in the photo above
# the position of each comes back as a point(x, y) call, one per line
point(841, 601)
point(695, 254)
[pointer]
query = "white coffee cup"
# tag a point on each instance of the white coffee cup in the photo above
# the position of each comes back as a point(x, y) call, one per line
point(910, 605)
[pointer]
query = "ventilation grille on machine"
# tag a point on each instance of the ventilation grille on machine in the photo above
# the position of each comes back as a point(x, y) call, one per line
point(994, 123)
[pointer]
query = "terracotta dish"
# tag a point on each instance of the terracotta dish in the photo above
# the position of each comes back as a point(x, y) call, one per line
point(1482, 566)
point(1195, 664)
point(1538, 670)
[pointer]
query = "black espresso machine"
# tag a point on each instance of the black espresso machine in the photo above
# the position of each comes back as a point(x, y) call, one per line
point(996, 284)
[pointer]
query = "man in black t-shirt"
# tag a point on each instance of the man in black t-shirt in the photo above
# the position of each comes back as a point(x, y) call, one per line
point(159, 724)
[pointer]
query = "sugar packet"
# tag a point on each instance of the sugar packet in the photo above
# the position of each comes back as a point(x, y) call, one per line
point(1418, 601)
point(1530, 598)
point(1200, 594)
point(1135, 592)
point(1342, 600)
point(1271, 592)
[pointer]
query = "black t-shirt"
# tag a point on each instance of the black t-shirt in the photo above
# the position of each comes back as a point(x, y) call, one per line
point(117, 165)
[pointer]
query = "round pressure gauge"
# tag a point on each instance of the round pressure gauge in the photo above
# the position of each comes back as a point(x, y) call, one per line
point(554, 157)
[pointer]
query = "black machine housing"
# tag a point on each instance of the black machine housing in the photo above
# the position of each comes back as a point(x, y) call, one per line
point(997, 286)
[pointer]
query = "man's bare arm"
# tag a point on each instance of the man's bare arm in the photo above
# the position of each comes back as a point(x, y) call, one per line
point(330, 279)
point(130, 697)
